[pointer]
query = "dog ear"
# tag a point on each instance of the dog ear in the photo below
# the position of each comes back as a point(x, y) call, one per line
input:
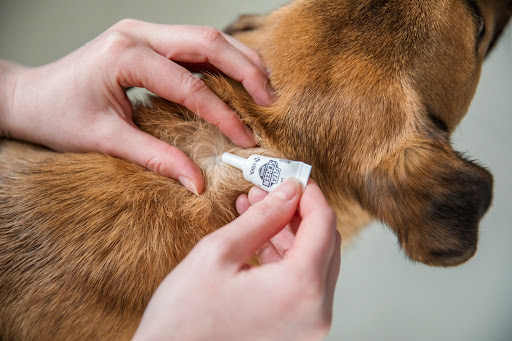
point(245, 23)
point(502, 12)
point(433, 199)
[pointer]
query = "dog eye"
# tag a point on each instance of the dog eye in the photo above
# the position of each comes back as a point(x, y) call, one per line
point(479, 19)
point(481, 29)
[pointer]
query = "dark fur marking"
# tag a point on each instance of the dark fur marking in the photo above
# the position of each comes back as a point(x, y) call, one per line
point(504, 11)
point(439, 123)
point(461, 209)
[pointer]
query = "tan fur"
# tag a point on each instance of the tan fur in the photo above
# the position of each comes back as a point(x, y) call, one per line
point(85, 238)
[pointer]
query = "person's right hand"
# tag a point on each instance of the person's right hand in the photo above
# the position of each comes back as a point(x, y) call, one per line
point(213, 294)
point(78, 103)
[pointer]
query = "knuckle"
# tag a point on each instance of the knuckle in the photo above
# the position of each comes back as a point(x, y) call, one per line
point(116, 42)
point(211, 34)
point(126, 23)
point(191, 85)
point(157, 162)
point(212, 247)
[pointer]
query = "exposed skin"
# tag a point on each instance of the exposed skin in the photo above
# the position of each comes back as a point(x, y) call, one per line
point(68, 131)
point(94, 113)
point(288, 297)
point(385, 83)
point(367, 92)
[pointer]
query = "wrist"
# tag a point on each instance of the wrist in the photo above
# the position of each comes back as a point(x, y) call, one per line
point(9, 73)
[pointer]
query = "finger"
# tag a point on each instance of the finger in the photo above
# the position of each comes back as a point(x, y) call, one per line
point(246, 234)
point(197, 44)
point(130, 143)
point(256, 195)
point(176, 84)
point(283, 241)
point(316, 235)
point(242, 204)
point(313, 201)
point(267, 253)
point(275, 249)
point(248, 52)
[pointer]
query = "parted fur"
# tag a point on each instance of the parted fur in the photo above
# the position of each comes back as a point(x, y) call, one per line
point(368, 93)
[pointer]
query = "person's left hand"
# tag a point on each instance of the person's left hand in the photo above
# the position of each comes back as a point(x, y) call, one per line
point(78, 103)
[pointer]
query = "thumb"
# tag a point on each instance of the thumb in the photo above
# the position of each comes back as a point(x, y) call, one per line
point(130, 143)
point(245, 235)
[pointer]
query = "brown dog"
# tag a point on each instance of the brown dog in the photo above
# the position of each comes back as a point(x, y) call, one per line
point(368, 93)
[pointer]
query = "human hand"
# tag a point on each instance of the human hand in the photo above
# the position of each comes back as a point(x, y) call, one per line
point(214, 295)
point(78, 103)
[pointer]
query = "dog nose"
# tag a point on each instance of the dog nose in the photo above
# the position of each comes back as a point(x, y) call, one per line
point(460, 212)
point(484, 190)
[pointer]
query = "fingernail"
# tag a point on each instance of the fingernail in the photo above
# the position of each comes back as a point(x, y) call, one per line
point(249, 133)
point(287, 190)
point(266, 71)
point(270, 91)
point(188, 184)
point(269, 99)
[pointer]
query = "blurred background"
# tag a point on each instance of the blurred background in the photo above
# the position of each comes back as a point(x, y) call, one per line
point(380, 294)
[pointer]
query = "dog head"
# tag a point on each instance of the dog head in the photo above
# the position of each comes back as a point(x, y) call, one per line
point(369, 92)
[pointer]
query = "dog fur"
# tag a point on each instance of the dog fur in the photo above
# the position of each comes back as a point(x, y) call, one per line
point(368, 93)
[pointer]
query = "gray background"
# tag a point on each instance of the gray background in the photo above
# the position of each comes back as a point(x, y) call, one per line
point(380, 295)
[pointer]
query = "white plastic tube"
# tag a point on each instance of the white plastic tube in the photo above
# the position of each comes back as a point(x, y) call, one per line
point(267, 172)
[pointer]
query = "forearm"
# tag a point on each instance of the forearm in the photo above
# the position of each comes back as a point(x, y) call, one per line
point(8, 76)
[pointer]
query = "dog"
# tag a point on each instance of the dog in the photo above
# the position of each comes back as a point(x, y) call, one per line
point(368, 93)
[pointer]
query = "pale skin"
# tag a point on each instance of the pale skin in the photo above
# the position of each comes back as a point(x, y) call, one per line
point(79, 104)
point(213, 294)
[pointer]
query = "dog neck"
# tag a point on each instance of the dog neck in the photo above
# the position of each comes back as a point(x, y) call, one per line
point(294, 129)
